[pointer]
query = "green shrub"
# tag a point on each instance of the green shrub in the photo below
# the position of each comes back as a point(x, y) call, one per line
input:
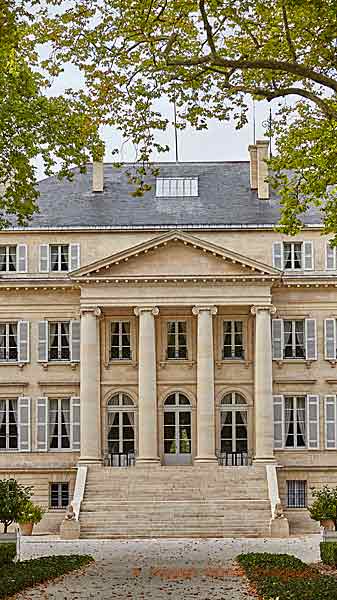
point(7, 553)
point(328, 552)
point(31, 572)
point(266, 560)
point(324, 506)
point(30, 513)
point(13, 496)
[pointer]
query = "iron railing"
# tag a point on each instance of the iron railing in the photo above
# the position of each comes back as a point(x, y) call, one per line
point(119, 459)
point(234, 459)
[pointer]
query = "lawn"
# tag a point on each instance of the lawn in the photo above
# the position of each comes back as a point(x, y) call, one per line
point(285, 577)
point(15, 577)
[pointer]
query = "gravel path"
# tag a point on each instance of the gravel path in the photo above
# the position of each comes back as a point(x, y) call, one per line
point(152, 570)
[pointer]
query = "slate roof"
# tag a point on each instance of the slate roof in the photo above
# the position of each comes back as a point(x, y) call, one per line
point(225, 200)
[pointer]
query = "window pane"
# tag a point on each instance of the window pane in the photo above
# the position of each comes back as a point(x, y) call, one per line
point(64, 253)
point(3, 266)
point(12, 258)
point(54, 258)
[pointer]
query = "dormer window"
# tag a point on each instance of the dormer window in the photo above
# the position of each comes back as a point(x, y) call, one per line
point(176, 187)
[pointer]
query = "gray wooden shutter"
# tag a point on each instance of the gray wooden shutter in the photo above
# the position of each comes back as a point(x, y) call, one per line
point(308, 256)
point(277, 339)
point(278, 255)
point(44, 258)
point(75, 340)
point(42, 425)
point(23, 341)
point(330, 339)
point(278, 421)
point(43, 341)
point(330, 422)
point(74, 251)
point(330, 257)
point(313, 422)
point(310, 339)
point(24, 426)
point(75, 423)
point(21, 258)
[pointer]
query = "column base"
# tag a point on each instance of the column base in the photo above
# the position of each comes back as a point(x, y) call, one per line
point(144, 461)
point(205, 460)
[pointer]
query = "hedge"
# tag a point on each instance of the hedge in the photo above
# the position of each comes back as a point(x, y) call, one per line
point(31, 572)
point(7, 553)
point(286, 577)
point(329, 553)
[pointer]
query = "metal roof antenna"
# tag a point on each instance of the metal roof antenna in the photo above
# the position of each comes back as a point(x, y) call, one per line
point(175, 129)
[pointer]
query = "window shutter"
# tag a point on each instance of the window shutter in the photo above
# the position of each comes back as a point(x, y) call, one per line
point(21, 258)
point(44, 258)
point(330, 422)
point(23, 341)
point(75, 423)
point(42, 425)
point(310, 339)
point(43, 341)
point(313, 422)
point(330, 339)
point(74, 256)
point(278, 421)
point(330, 257)
point(308, 256)
point(24, 442)
point(277, 339)
point(278, 255)
point(75, 340)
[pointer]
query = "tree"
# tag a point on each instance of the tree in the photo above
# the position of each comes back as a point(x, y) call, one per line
point(13, 499)
point(212, 57)
point(33, 124)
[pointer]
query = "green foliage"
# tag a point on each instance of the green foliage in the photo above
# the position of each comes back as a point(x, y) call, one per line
point(324, 505)
point(212, 58)
point(30, 513)
point(31, 572)
point(328, 551)
point(284, 577)
point(13, 498)
point(7, 553)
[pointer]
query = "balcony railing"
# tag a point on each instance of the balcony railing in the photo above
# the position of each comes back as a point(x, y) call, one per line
point(119, 459)
point(234, 459)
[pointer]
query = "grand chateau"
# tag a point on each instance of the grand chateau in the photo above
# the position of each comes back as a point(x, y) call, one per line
point(168, 364)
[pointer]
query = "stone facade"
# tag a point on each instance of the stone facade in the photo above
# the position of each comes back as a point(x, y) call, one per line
point(150, 279)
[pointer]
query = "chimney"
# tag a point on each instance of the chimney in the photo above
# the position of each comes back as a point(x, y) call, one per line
point(97, 176)
point(252, 149)
point(262, 169)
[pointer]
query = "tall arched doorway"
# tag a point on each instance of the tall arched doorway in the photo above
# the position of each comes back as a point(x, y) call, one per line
point(234, 428)
point(177, 430)
point(121, 428)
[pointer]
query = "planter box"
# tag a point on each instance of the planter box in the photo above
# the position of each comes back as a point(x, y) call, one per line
point(6, 538)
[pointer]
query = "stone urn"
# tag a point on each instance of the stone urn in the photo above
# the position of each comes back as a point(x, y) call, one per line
point(26, 528)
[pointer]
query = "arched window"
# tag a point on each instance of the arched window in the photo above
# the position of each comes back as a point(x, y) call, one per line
point(233, 424)
point(177, 429)
point(121, 424)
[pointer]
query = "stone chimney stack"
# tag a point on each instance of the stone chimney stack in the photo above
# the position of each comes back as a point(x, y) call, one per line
point(262, 147)
point(252, 149)
point(97, 176)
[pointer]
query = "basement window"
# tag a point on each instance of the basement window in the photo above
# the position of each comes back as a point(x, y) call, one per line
point(59, 495)
point(297, 493)
point(176, 187)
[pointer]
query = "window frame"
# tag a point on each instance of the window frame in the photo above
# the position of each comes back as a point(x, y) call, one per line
point(293, 341)
point(298, 494)
point(120, 340)
point(233, 345)
point(176, 334)
point(59, 506)
point(296, 421)
point(59, 447)
point(7, 424)
point(7, 255)
point(59, 258)
point(172, 185)
point(8, 360)
point(121, 408)
point(292, 256)
point(59, 341)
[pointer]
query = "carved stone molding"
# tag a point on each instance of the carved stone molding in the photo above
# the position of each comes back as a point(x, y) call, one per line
point(94, 310)
point(154, 310)
point(199, 308)
point(257, 308)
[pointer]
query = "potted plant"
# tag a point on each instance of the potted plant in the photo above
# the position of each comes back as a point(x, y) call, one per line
point(13, 497)
point(324, 509)
point(30, 515)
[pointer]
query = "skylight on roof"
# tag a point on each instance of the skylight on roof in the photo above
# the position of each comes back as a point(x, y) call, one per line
point(174, 187)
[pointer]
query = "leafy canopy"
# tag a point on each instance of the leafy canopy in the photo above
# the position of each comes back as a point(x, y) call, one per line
point(212, 57)
point(13, 499)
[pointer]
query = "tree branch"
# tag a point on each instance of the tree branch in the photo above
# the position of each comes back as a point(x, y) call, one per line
point(207, 27)
point(287, 31)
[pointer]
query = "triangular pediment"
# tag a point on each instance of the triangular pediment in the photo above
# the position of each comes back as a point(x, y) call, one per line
point(175, 255)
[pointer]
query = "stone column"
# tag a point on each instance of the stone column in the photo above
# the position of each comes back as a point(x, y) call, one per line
point(264, 420)
point(90, 386)
point(147, 386)
point(205, 385)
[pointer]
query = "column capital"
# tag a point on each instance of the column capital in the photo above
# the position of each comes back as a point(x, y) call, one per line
point(93, 310)
point(154, 310)
point(199, 308)
point(268, 307)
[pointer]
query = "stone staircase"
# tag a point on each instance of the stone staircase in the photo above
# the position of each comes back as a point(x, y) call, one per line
point(158, 501)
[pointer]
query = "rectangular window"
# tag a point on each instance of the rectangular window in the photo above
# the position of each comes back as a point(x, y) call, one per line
point(58, 495)
point(292, 255)
point(177, 340)
point(120, 348)
point(294, 342)
point(8, 342)
point(8, 424)
point(176, 187)
point(233, 340)
point(59, 423)
point(59, 341)
point(297, 494)
point(59, 257)
point(295, 421)
point(7, 258)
